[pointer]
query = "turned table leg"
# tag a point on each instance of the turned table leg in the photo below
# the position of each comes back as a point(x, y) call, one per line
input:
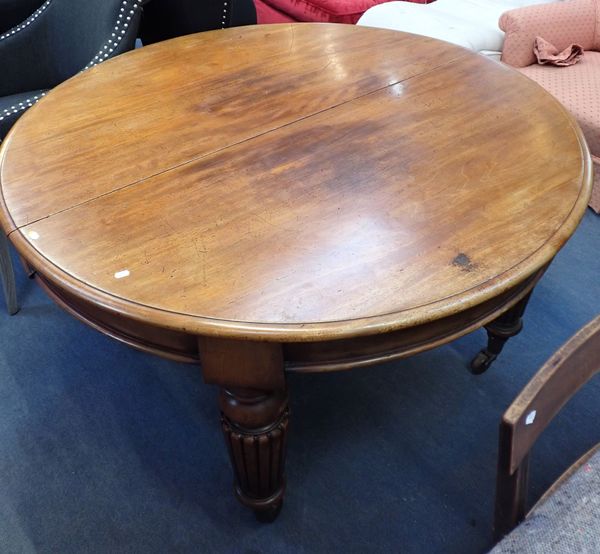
point(254, 416)
point(499, 331)
point(255, 425)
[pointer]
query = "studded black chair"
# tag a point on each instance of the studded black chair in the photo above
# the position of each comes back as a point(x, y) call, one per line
point(12, 12)
point(164, 19)
point(58, 40)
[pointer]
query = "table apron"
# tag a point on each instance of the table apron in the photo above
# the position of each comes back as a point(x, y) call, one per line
point(318, 356)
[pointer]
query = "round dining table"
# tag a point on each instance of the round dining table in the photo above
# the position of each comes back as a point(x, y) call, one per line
point(292, 198)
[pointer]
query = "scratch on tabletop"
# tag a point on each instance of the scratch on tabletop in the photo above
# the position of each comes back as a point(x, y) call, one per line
point(201, 252)
point(293, 40)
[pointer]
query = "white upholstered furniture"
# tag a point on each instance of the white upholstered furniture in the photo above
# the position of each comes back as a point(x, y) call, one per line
point(469, 23)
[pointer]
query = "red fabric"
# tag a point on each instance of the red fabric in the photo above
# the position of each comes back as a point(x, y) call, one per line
point(268, 14)
point(328, 11)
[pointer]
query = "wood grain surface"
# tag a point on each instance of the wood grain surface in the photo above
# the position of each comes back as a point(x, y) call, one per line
point(293, 182)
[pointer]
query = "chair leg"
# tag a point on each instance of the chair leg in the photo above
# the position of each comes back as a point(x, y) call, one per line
point(29, 271)
point(511, 500)
point(7, 276)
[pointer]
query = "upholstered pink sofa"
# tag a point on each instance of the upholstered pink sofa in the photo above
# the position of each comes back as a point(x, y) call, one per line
point(329, 11)
point(576, 86)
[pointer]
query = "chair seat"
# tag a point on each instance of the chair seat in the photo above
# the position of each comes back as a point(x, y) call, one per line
point(14, 106)
point(566, 520)
point(576, 87)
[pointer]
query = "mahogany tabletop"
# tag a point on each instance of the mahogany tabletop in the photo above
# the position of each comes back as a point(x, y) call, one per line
point(294, 181)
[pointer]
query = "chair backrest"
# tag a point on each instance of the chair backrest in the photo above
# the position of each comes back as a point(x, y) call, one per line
point(62, 37)
point(165, 19)
point(12, 12)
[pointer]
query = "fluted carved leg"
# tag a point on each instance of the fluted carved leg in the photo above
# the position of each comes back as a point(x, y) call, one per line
point(499, 331)
point(255, 425)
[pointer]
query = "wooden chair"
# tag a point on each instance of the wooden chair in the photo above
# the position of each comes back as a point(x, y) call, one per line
point(7, 276)
point(551, 388)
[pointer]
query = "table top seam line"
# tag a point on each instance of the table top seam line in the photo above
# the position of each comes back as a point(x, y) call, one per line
point(238, 143)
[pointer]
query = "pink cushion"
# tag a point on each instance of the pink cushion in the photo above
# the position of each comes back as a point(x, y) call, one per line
point(577, 88)
point(561, 23)
point(328, 11)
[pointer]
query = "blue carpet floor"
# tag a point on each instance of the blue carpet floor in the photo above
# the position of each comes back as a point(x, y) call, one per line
point(105, 449)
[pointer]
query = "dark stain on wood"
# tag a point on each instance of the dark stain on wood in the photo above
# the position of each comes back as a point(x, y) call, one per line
point(464, 262)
